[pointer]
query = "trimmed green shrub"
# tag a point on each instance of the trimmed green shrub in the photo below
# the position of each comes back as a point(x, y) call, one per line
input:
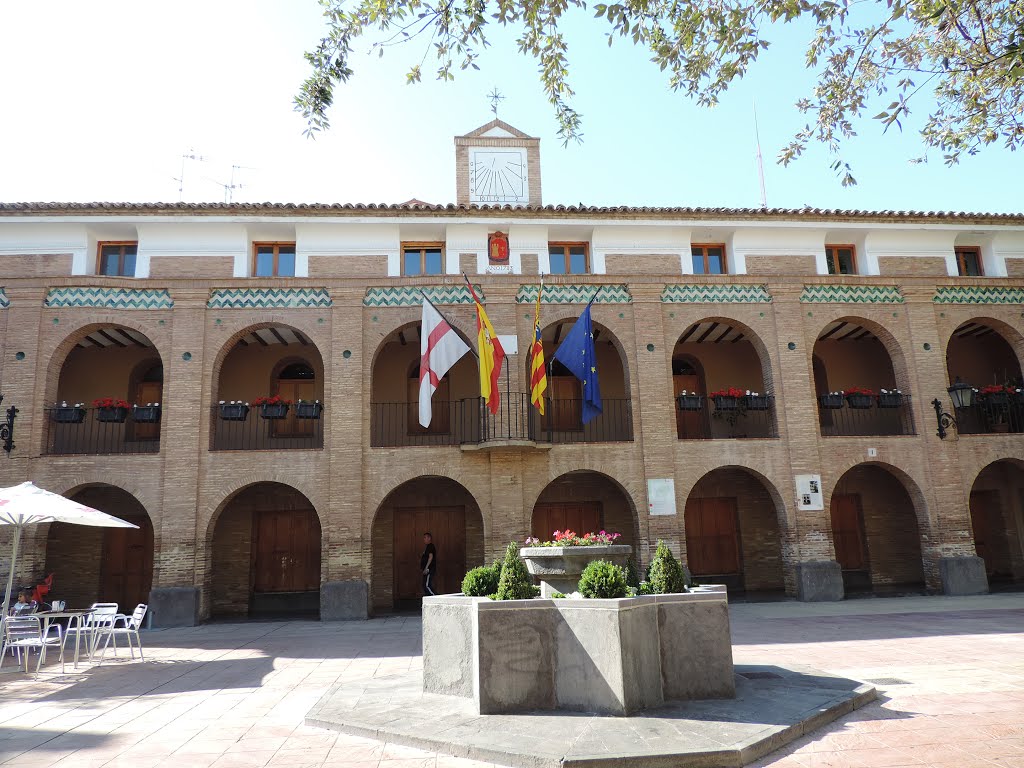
point(557, 596)
point(482, 581)
point(632, 577)
point(665, 574)
point(514, 583)
point(602, 579)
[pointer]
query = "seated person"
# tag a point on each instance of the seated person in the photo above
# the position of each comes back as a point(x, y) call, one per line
point(25, 604)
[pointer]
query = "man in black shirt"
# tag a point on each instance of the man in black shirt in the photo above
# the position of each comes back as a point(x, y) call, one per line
point(428, 564)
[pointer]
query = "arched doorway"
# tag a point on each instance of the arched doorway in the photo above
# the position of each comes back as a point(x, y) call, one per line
point(108, 565)
point(394, 387)
point(853, 354)
point(732, 532)
point(265, 553)
point(980, 353)
point(429, 504)
point(584, 502)
point(267, 361)
point(997, 521)
point(875, 532)
point(105, 362)
point(716, 354)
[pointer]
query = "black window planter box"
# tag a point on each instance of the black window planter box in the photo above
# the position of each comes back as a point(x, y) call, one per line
point(860, 402)
point(997, 398)
point(112, 415)
point(275, 411)
point(890, 400)
point(756, 402)
point(146, 414)
point(234, 411)
point(308, 410)
point(67, 415)
point(689, 402)
point(726, 403)
point(830, 402)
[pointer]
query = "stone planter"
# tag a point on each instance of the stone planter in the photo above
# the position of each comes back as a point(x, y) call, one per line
point(274, 411)
point(308, 410)
point(756, 402)
point(67, 415)
point(114, 415)
point(146, 414)
point(606, 656)
point(726, 403)
point(689, 402)
point(890, 400)
point(234, 411)
point(860, 402)
point(830, 402)
point(558, 569)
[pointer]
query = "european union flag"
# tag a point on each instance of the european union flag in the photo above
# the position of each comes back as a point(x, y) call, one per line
point(577, 354)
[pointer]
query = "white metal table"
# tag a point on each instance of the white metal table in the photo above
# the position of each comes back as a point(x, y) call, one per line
point(76, 617)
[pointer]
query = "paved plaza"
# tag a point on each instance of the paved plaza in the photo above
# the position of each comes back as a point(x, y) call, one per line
point(950, 674)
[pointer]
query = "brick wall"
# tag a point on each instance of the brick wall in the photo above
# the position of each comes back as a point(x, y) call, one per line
point(641, 264)
point(781, 265)
point(191, 266)
point(347, 266)
point(36, 265)
point(917, 266)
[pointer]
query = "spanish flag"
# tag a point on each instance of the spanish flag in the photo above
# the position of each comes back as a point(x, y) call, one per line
point(538, 371)
point(492, 355)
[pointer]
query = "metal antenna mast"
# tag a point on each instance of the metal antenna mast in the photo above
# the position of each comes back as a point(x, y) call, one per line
point(190, 155)
point(760, 160)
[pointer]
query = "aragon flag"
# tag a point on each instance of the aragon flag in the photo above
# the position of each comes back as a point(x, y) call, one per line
point(440, 349)
point(491, 353)
point(538, 370)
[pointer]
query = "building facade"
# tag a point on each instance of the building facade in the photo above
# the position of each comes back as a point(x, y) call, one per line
point(793, 487)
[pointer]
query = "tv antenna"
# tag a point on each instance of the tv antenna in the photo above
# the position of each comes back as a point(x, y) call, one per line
point(231, 186)
point(190, 155)
point(760, 161)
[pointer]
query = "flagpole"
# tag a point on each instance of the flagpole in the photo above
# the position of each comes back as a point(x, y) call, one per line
point(427, 299)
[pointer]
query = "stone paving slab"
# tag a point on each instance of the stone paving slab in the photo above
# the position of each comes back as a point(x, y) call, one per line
point(774, 705)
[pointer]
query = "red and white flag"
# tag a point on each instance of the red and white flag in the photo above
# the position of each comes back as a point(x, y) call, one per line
point(440, 349)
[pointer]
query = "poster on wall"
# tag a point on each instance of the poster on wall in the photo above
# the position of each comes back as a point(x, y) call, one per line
point(808, 492)
point(661, 497)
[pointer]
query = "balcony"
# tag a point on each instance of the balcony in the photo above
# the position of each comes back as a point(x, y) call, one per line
point(252, 428)
point(1002, 416)
point(468, 422)
point(100, 431)
point(865, 416)
point(725, 418)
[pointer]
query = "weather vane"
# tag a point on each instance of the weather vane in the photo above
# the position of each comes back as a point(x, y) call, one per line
point(495, 98)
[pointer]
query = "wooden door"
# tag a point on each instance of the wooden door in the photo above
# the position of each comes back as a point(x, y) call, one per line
point(689, 424)
point(447, 525)
point(986, 522)
point(147, 392)
point(286, 551)
point(566, 407)
point(712, 536)
point(294, 390)
point(580, 516)
point(126, 572)
point(848, 532)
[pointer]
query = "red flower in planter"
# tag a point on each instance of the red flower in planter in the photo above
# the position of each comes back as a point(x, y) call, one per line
point(110, 402)
point(275, 400)
point(996, 389)
point(730, 392)
point(859, 391)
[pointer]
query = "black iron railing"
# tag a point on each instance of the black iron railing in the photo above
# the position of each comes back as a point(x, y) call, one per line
point(703, 418)
point(889, 417)
point(470, 422)
point(98, 431)
point(991, 418)
point(244, 428)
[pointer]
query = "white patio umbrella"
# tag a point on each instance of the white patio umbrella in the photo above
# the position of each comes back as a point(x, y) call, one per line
point(27, 504)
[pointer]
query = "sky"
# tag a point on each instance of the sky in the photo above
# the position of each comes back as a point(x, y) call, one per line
point(100, 101)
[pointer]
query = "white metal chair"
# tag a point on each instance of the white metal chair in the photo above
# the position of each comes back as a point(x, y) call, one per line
point(23, 633)
point(130, 626)
point(96, 624)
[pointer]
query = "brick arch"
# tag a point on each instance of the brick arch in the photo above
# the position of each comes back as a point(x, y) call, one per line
point(901, 473)
point(636, 497)
point(306, 327)
point(397, 480)
point(1013, 336)
point(764, 538)
point(68, 485)
point(897, 357)
point(207, 520)
point(386, 338)
point(1015, 461)
point(749, 334)
point(54, 365)
point(606, 328)
point(634, 536)
point(995, 502)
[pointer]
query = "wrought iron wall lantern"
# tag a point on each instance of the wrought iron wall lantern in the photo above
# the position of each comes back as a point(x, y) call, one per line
point(962, 396)
point(7, 428)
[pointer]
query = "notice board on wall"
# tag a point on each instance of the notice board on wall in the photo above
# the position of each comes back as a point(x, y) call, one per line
point(661, 497)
